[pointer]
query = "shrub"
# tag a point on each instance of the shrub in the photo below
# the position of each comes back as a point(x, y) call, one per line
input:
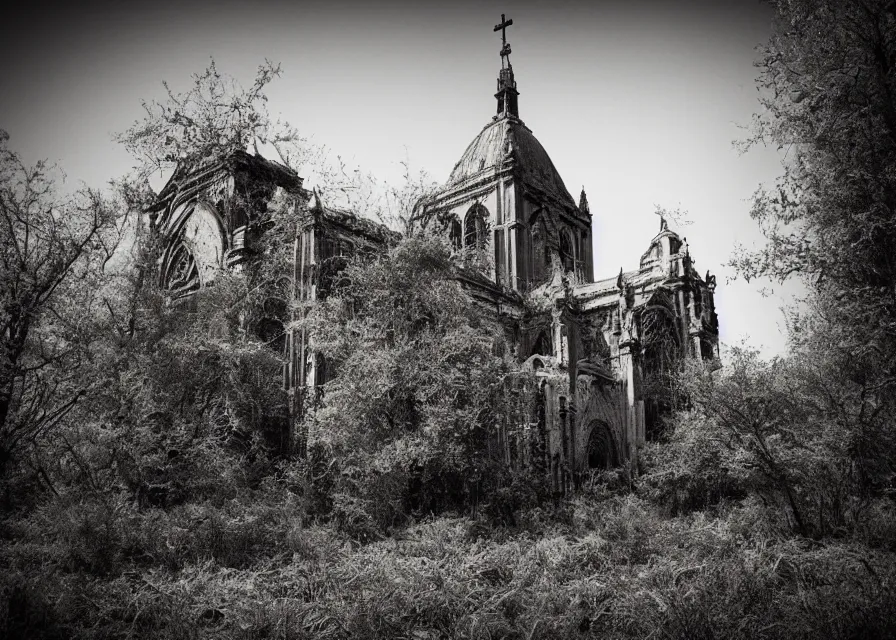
point(693, 471)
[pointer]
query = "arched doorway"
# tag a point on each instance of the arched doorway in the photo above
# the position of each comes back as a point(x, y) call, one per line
point(541, 345)
point(602, 451)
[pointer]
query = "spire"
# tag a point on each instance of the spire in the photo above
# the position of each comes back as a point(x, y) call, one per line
point(507, 93)
point(583, 203)
point(315, 203)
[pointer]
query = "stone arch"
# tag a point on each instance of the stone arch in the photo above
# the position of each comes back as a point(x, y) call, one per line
point(602, 452)
point(541, 344)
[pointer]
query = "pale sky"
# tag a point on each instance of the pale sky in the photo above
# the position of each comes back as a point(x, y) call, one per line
point(637, 101)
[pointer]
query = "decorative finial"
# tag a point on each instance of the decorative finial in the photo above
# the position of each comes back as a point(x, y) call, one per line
point(619, 280)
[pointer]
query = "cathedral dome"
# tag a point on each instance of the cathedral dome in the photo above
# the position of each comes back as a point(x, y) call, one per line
point(504, 143)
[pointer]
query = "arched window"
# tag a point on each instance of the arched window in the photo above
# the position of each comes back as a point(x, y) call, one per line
point(195, 251)
point(181, 274)
point(542, 345)
point(474, 226)
point(661, 352)
point(539, 253)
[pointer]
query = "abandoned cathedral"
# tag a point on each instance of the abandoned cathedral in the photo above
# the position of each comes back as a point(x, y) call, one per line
point(595, 351)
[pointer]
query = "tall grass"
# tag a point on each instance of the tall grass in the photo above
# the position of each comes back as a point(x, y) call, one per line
point(602, 565)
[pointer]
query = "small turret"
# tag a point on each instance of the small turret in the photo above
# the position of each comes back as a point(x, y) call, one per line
point(583, 203)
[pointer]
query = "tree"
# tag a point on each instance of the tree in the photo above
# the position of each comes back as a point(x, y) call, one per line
point(214, 119)
point(53, 249)
point(780, 429)
point(211, 120)
point(414, 379)
point(828, 82)
point(828, 87)
point(194, 388)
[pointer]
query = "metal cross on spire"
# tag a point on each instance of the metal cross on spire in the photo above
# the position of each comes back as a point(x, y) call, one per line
point(505, 48)
point(503, 28)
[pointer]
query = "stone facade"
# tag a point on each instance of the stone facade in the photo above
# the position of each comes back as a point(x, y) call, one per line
point(592, 352)
point(208, 216)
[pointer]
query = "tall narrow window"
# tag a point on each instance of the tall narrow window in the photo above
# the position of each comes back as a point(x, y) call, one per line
point(471, 231)
point(566, 255)
point(474, 226)
point(500, 269)
point(456, 233)
point(538, 253)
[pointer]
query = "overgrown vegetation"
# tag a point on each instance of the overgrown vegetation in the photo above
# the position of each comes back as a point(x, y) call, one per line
point(599, 565)
point(415, 386)
point(146, 493)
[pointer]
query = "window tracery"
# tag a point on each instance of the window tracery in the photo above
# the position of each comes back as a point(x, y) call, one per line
point(182, 275)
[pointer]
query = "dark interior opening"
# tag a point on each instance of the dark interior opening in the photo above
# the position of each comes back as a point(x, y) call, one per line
point(601, 448)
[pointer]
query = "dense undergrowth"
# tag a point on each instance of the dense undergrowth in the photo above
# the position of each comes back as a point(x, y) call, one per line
point(606, 563)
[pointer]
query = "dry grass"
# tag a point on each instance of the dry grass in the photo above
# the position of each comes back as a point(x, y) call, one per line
point(609, 567)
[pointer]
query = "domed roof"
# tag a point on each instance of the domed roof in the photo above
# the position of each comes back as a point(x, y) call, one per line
point(504, 140)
